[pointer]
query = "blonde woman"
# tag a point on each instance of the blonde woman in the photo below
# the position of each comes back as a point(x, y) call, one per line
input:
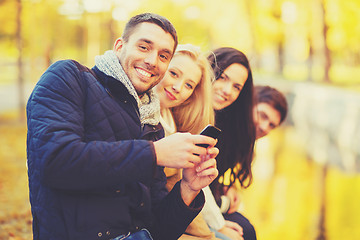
point(186, 106)
point(185, 91)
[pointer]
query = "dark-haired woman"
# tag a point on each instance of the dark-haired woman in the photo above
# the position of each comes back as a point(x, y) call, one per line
point(233, 105)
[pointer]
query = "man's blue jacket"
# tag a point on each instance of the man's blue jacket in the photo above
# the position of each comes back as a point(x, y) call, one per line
point(91, 166)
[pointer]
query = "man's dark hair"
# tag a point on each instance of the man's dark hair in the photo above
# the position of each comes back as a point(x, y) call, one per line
point(273, 97)
point(161, 21)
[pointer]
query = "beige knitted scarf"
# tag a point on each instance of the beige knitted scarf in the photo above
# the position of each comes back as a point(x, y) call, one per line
point(149, 104)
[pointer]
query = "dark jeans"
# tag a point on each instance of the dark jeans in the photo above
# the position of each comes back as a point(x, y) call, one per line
point(248, 228)
point(143, 234)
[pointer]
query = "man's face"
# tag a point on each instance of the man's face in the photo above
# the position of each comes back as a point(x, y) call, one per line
point(266, 118)
point(146, 55)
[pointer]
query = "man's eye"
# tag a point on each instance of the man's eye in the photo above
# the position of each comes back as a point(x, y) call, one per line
point(143, 47)
point(263, 115)
point(164, 57)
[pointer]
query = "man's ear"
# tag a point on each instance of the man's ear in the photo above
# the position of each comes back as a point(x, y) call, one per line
point(118, 44)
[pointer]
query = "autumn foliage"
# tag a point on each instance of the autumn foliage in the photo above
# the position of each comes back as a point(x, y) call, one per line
point(15, 215)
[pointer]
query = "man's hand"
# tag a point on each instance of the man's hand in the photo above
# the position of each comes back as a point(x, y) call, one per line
point(235, 199)
point(199, 176)
point(178, 150)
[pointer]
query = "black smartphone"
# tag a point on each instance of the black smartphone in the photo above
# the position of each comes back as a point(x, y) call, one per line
point(210, 131)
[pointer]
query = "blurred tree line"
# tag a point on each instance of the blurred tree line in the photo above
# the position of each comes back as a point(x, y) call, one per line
point(313, 40)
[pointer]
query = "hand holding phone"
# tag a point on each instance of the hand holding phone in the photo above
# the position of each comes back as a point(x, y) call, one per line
point(210, 131)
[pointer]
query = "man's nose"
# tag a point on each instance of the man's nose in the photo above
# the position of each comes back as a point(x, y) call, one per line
point(265, 127)
point(151, 59)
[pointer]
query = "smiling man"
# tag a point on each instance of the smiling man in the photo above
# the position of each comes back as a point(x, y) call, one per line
point(269, 111)
point(145, 55)
point(95, 148)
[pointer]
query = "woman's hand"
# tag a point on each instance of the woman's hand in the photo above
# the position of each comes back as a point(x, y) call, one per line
point(231, 233)
point(235, 226)
point(199, 176)
point(235, 200)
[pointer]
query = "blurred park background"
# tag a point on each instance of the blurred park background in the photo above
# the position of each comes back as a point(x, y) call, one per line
point(306, 173)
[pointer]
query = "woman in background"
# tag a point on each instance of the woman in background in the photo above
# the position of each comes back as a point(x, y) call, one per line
point(233, 105)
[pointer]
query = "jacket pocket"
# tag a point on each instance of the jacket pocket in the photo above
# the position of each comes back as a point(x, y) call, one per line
point(93, 215)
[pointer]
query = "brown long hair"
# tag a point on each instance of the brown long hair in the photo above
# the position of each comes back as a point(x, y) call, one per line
point(236, 142)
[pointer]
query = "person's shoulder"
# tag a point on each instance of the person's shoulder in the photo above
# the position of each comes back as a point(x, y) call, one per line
point(67, 64)
point(67, 69)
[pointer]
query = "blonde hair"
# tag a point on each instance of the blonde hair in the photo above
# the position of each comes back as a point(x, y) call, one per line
point(197, 111)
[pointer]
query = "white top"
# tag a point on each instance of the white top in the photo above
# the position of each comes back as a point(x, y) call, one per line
point(211, 211)
point(167, 121)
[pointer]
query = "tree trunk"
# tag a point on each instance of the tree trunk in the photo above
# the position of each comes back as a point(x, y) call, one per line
point(327, 52)
point(251, 22)
point(20, 81)
point(322, 220)
point(310, 59)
